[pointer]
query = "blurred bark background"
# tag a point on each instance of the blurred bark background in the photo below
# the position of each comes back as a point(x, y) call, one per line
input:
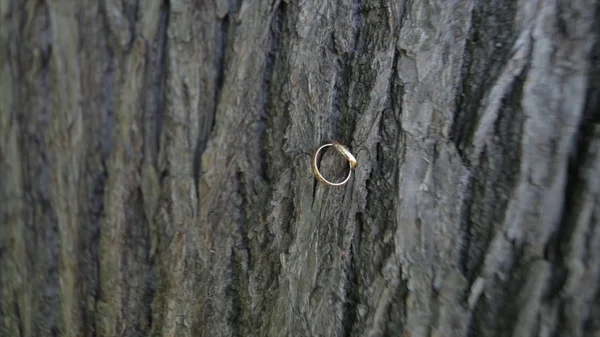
point(155, 168)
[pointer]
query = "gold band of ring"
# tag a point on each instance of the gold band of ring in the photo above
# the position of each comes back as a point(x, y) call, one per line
point(344, 152)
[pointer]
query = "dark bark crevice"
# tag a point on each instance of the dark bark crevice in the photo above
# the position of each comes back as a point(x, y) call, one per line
point(466, 223)
point(160, 48)
point(243, 219)
point(40, 224)
point(131, 11)
point(492, 183)
point(234, 292)
point(591, 324)
point(396, 89)
point(508, 311)
point(580, 159)
point(348, 60)
point(96, 204)
point(373, 245)
point(591, 111)
point(352, 294)
point(276, 93)
point(266, 120)
point(396, 311)
point(472, 327)
point(96, 85)
point(490, 37)
point(339, 102)
point(492, 316)
point(221, 57)
point(559, 251)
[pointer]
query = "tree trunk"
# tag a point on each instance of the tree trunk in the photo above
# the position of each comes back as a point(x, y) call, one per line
point(155, 168)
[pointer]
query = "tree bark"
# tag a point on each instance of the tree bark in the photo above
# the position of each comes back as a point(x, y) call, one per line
point(155, 175)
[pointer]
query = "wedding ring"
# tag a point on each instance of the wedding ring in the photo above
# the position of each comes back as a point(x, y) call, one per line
point(344, 152)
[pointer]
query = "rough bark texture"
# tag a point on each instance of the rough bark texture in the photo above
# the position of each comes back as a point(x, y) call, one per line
point(155, 168)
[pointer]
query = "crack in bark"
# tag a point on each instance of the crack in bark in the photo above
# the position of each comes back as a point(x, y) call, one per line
point(352, 295)
point(558, 250)
point(161, 78)
point(465, 230)
point(487, 39)
point(274, 41)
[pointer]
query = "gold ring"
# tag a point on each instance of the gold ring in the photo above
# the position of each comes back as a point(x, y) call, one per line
point(345, 152)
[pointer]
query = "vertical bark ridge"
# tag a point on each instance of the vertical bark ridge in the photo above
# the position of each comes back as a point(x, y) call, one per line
point(233, 168)
point(65, 139)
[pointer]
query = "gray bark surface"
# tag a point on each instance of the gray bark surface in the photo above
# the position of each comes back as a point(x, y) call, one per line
point(155, 173)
